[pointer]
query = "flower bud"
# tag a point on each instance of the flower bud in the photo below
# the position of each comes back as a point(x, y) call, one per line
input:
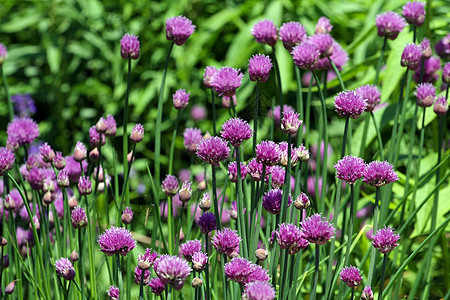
point(205, 202)
point(302, 201)
point(74, 256)
point(79, 154)
point(3, 242)
point(94, 154)
point(197, 283)
point(48, 198)
point(137, 133)
point(101, 125)
point(5, 261)
point(9, 203)
point(202, 185)
point(185, 192)
point(261, 254)
point(127, 216)
point(181, 236)
point(73, 202)
point(10, 287)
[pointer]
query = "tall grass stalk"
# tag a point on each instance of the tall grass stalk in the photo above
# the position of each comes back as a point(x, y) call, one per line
point(8, 96)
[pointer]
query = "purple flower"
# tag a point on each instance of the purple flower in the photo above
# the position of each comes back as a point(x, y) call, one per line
point(425, 93)
point(440, 106)
point(290, 237)
point(278, 174)
point(385, 240)
point(80, 152)
point(226, 81)
point(272, 200)
point(179, 29)
point(265, 32)
point(146, 260)
point(239, 269)
point(371, 94)
point(129, 46)
point(127, 215)
point(7, 159)
point(116, 240)
point(389, 24)
point(284, 154)
point(64, 268)
point(292, 34)
point(36, 177)
point(290, 122)
point(425, 47)
point(233, 173)
point(323, 25)
point(259, 67)
point(192, 136)
point(198, 112)
point(305, 55)
point(339, 58)
point(268, 153)
point(442, 47)
point(351, 276)
point(302, 201)
point(379, 173)
point(414, 13)
point(446, 73)
point(170, 185)
point(207, 222)
point(21, 131)
point(138, 276)
point(73, 168)
point(213, 150)
point(185, 192)
point(180, 99)
point(210, 72)
point(258, 274)
point(59, 161)
point(84, 185)
point(199, 261)
point(349, 104)
point(226, 241)
point(323, 42)
point(111, 126)
point(47, 153)
point(95, 138)
point(259, 290)
point(137, 133)
point(23, 104)
point(235, 131)
point(78, 217)
point(430, 67)
point(317, 230)
point(255, 168)
point(172, 270)
point(156, 286)
point(367, 293)
point(113, 292)
point(350, 169)
point(3, 54)
point(302, 153)
point(189, 248)
point(411, 57)
point(276, 113)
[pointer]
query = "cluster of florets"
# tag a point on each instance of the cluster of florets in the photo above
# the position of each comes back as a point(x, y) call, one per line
point(371, 94)
point(226, 241)
point(21, 131)
point(317, 230)
point(385, 240)
point(425, 93)
point(272, 201)
point(129, 46)
point(350, 169)
point(351, 276)
point(379, 173)
point(236, 131)
point(213, 150)
point(116, 240)
point(292, 34)
point(226, 81)
point(389, 24)
point(265, 32)
point(172, 270)
point(290, 237)
point(179, 29)
point(411, 57)
point(243, 271)
point(259, 67)
point(233, 172)
point(350, 104)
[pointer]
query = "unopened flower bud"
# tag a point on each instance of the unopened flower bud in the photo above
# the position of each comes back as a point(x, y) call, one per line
point(59, 161)
point(201, 185)
point(49, 186)
point(197, 283)
point(302, 201)
point(63, 179)
point(94, 154)
point(73, 202)
point(130, 157)
point(3, 242)
point(137, 133)
point(5, 261)
point(10, 287)
point(48, 198)
point(74, 256)
point(261, 254)
point(185, 192)
point(101, 125)
point(205, 202)
point(234, 254)
point(36, 222)
point(9, 203)
point(127, 216)
point(79, 154)
point(181, 236)
point(144, 265)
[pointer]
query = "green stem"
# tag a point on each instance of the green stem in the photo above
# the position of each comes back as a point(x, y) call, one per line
point(208, 292)
point(383, 270)
point(8, 97)
point(159, 118)
point(125, 124)
point(341, 82)
point(172, 146)
point(299, 101)
point(353, 294)
point(240, 204)
point(213, 105)
point(141, 286)
point(380, 141)
point(178, 229)
point(81, 262)
point(380, 62)
point(170, 224)
point(119, 273)
point(375, 228)
point(316, 272)
point(352, 221)
point(287, 182)
point(215, 201)
point(255, 118)
point(278, 79)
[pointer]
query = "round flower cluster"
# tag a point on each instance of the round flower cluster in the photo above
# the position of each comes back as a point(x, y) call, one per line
point(292, 34)
point(213, 150)
point(179, 29)
point(349, 104)
point(265, 32)
point(236, 131)
point(116, 240)
point(290, 237)
point(226, 241)
point(259, 67)
point(350, 169)
point(317, 230)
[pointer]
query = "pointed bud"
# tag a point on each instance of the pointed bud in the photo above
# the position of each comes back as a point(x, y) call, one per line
point(73, 202)
point(3, 242)
point(101, 125)
point(205, 202)
point(10, 287)
point(94, 154)
point(261, 254)
point(197, 283)
point(79, 154)
point(127, 216)
point(48, 198)
point(181, 236)
point(74, 256)
point(130, 156)
point(185, 192)
point(137, 133)
point(9, 203)
point(202, 185)
point(302, 201)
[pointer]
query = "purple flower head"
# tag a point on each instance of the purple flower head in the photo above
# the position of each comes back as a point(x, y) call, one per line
point(113, 292)
point(425, 93)
point(95, 138)
point(172, 270)
point(446, 73)
point(430, 67)
point(239, 269)
point(317, 230)
point(199, 261)
point(258, 274)
point(7, 159)
point(59, 161)
point(323, 42)
point(379, 173)
point(265, 32)
point(349, 104)
point(272, 200)
point(64, 268)
point(339, 58)
point(170, 185)
point(226, 241)
point(116, 240)
point(156, 286)
point(192, 136)
point(292, 34)
point(73, 168)
point(84, 185)
point(210, 72)
point(23, 105)
point(80, 152)
point(371, 94)
point(127, 215)
point(302, 153)
point(442, 47)
point(233, 173)
point(255, 168)
point(129, 46)
point(302, 201)
point(278, 174)
point(367, 293)
point(21, 131)
point(411, 57)
point(414, 13)
point(385, 240)
point(323, 26)
point(351, 276)
point(235, 131)
point(36, 177)
point(146, 260)
point(207, 222)
point(198, 112)
point(78, 217)
point(138, 276)
point(305, 55)
point(268, 153)
point(425, 47)
point(276, 113)
point(284, 154)
point(289, 237)
point(259, 290)
point(179, 29)
point(213, 150)
point(389, 24)
point(47, 153)
point(180, 99)
point(259, 67)
point(291, 122)
point(111, 126)
point(137, 133)
point(3, 54)
point(189, 248)
point(440, 106)
point(350, 169)
point(226, 81)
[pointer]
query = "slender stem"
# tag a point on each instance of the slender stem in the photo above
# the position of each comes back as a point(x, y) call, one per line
point(316, 272)
point(141, 287)
point(285, 270)
point(255, 118)
point(353, 294)
point(375, 228)
point(380, 141)
point(207, 287)
point(287, 182)
point(178, 229)
point(213, 105)
point(380, 62)
point(81, 262)
point(119, 273)
point(172, 146)
point(299, 101)
point(254, 242)
point(215, 201)
point(240, 204)
point(125, 124)
point(170, 224)
point(350, 227)
point(278, 79)
point(159, 118)
point(8, 97)
point(383, 270)
point(341, 82)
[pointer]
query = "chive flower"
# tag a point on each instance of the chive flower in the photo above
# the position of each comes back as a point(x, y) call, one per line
point(180, 99)
point(292, 34)
point(64, 269)
point(272, 201)
point(265, 32)
point(317, 230)
point(414, 13)
point(259, 67)
point(290, 237)
point(379, 173)
point(189, 248)
point(7, 159)
point(411, 57)
point(351, 276)
point(113, 292)
point(235, 131)
point(389, 24)
point(116, 240)
point(23, 105)
point(226, 241)
point(323, 42)
point(446, 73)
point(268, 153)
point(305, 55)
point(213, 150)
point(156, 286)
point(170, 185)
point(207, 222)
point(199, 261)
point(78, 217)
point(323, 26)
point(21, 131)
point(350, 168)
point(179, 29)
point(440, 106)
point(425, 93)
point(129, 46)
point(349, 104)
point(84, 185)
point(371, 94)
point(291, 122)
point(233, 173)
point(226, 81)
point(259, 290)
point(367, 293)
point(385, 240)
point(192, 136)
point(172, 270)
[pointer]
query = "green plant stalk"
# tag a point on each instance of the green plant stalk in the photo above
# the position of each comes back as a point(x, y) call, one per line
point(91, 241)
point(285, 269)
point(373, 253)
point(380, 140)
point(316, 272)
point(123, 196)
point(125, 131)
point(159, 118)
point(308, 113)
point(299, 99)
point(119, 273)
point(351, 223)
point(12, 229)
point(141, 286)
point(213, 105)
point(172, 146)
point(353, 294)
point(380, 62)
point(178, 229)
point(383, 270)
point(99, 164)
point(216, 206)
point(278, 79)
point(255, 118)
point(240, 206)
point(335, 69)
point(81, 263)
point(207, 287)
point(170, 225)
point(287, 182)
point(8, 97)
point(254, 240)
